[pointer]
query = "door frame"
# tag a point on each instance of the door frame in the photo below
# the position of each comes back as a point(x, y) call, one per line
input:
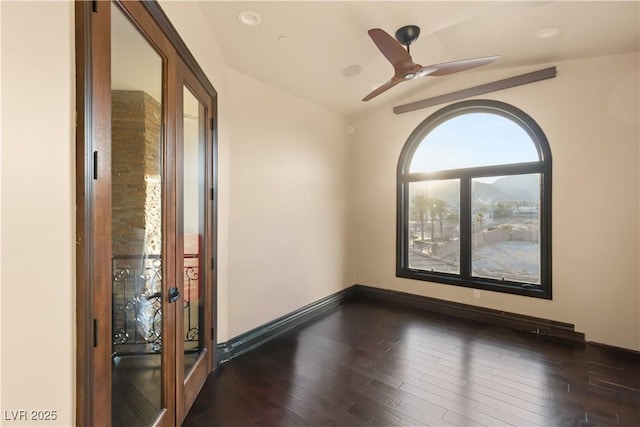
point(93, 230)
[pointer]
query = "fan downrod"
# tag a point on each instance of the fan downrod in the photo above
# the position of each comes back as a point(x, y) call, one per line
point(407, 35)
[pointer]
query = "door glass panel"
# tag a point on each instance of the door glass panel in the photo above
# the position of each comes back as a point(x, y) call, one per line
point(136, 216)
point(193, 225)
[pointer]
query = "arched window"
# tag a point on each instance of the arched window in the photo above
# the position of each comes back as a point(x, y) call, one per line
point(474, 200)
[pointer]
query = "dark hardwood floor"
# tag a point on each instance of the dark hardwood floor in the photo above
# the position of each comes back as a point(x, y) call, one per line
point(137, 388)
point(372, 365)
point(136, 384)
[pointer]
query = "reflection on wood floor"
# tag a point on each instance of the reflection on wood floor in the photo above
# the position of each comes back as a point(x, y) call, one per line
point(374, 365)
point(136, 389)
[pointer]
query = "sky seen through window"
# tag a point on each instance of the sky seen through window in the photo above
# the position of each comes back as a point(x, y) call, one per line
point(473, 140)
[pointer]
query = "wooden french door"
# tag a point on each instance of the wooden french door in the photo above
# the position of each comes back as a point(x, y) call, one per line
point(196, 230)
point(146, 218)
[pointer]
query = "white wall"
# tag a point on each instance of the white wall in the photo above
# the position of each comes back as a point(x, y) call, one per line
point(589, 114)
point(282, 196)
point(288, 216)
point(38, 302)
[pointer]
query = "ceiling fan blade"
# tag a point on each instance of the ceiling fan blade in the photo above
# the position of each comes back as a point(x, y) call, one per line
point(390, 48)
point(457, 66)
point(404, 67)
point(388, 85)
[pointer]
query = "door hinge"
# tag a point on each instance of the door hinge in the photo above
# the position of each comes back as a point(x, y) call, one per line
point(213, 263)
point(95, 333)
point(211, 334)
point(212, 128)
point(95, 165)
point(94, 6)
point(212, 194)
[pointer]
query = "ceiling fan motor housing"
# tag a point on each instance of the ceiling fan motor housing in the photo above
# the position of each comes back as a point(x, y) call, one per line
point(407, 34)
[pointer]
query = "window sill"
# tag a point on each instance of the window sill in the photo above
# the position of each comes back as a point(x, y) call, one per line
point(529, 290)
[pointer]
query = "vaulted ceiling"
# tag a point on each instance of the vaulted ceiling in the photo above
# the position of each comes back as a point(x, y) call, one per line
point(320, 50)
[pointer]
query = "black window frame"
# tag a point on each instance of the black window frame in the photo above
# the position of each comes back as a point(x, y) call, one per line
point(404, 178)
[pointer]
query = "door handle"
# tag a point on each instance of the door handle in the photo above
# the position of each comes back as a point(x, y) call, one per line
point(174, 294)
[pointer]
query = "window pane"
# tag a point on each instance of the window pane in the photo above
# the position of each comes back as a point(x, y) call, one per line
point(434, 226)
point(473, 140)
point(505, 214)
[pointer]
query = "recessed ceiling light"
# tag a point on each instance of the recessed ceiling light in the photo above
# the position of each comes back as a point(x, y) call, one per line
point(249, 18)
point(547, 33)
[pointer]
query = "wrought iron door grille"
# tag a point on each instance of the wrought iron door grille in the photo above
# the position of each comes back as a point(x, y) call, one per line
point(137, 303)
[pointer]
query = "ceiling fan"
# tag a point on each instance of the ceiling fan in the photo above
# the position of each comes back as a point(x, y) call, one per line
point(405, 68)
